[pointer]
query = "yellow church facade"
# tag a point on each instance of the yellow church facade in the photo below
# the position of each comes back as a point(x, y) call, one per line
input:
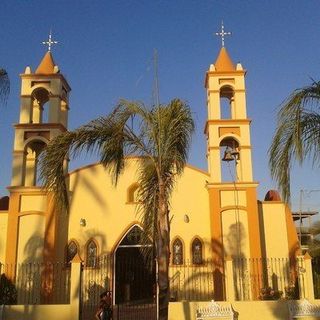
point(215, 214)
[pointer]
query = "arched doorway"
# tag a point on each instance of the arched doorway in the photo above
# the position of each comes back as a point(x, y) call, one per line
point(135, 276)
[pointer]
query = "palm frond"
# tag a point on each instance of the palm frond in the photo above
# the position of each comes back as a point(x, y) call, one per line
point(4, 86)
point(177, 129)
point(161, 138)
point(297, 135)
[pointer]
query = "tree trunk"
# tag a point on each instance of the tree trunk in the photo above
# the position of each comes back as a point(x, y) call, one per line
point(163, 254)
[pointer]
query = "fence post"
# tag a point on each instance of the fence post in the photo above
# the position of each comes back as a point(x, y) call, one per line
point(308, 276)
point(75, 287)
point(229, 280)
point(301, 278)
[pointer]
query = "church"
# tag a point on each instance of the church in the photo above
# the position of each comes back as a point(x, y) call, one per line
point(215, 214)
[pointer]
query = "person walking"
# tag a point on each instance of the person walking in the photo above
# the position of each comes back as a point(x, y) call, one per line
point(105, 306)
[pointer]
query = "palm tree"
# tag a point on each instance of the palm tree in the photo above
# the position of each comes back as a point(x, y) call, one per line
point(297, 135)
point(314, 244)
point(4, 86)
point(160, 137)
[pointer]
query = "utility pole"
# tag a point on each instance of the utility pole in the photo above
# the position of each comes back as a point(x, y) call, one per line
point(302, 193)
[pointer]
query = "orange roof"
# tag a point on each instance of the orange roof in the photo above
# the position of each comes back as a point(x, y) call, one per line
point(46, 65)
point(224, 62)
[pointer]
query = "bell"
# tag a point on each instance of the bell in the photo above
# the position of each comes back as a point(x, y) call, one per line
point(235, 153)
point(228, 156)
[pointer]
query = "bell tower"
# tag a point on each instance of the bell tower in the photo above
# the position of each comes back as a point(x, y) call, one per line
point(228, 126)
point(32, 221)
point(43, 115)
point(232, 190)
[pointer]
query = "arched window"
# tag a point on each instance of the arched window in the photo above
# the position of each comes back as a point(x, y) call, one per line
point(31, 163)
point(227, 103)
point(72, 250)
point(230, 157)
point(177, 249)
point(40, 106)
point(132, 193)
point(92, 254)
point(133, 237)
point(196, 249)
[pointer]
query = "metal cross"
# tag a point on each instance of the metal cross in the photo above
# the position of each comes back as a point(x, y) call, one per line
point(222, 33)
point(49, 42)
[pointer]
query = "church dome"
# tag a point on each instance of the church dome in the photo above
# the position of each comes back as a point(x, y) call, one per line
point(272, 195)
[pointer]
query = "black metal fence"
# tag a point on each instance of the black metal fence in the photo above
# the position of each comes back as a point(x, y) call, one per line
point(94, 281)
point(265, 278)
point(35, 283)
point(192, 282)
point(146, 311)
point(135, 283)
point(316, 276)
point(130, 277)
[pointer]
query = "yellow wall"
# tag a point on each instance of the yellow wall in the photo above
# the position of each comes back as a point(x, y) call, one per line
point(232, 198)
point(3, 234)
point(38, 312)
point(33, 203)
point(264, 310)
point(235, 233)
point(275, 229)
point(190, 198)
point(108, 214)
point(30, 239)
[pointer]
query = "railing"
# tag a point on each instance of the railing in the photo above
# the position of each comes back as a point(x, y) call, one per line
point(192, 282)
point(146, 311)
point(35, 283)
point(94, 281)
point(133, 283)
point(316, 276)
point(252, 279)
point(265, 278)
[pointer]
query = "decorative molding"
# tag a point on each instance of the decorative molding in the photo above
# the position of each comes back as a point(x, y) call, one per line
point(40, 126)
point(303, 308)
point(215, 310)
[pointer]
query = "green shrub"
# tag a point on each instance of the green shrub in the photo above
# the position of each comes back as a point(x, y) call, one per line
point(8, 292)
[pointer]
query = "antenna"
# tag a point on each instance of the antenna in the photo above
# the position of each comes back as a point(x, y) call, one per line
point(156, 99)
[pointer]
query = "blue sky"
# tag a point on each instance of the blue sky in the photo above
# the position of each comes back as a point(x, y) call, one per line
point(105, 51)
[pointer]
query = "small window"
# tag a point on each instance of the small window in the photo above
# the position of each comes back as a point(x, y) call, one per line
point(177, 249)
point(197, 251)
point(31, 163)
point(227, 103)
point(72, 250)
point(132, 195)
point(92, 254)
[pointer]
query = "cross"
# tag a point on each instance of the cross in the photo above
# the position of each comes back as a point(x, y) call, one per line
point(49, 42)
point(222, 33)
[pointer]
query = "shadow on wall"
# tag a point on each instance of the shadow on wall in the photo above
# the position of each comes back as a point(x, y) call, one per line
point(34, 278)
point(87, 183)
point(187, 311)
point(206, 281)
point(292, 290)
point(235, 243)
point(28, 313)
point(289, 268)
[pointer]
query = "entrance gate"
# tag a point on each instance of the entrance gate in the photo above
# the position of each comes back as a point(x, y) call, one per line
point(135, 279)
point(128, 275)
